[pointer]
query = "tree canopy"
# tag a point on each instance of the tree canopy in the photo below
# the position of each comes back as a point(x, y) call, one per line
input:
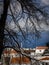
point(22, 21)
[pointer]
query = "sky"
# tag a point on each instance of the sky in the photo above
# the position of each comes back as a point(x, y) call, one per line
point(44, 36)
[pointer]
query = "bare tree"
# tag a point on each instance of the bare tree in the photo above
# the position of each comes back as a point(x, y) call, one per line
point(16, 11)
point(26, 10)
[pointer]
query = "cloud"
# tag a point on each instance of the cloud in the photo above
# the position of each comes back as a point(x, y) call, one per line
point(46, 2)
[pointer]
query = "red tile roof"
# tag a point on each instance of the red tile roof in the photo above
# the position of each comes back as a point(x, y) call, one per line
point(42, 47)
point(13, 51)
point(20, 60)
point(46, 58)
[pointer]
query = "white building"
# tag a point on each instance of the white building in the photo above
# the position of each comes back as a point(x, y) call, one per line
point(40, 50)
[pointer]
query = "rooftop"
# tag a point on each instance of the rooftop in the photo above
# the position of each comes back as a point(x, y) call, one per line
point(42, 47)
point(15, 60)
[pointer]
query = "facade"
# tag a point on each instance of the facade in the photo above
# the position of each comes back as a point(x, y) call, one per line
point(40, 49)
point(16, 58)
point(45, 60)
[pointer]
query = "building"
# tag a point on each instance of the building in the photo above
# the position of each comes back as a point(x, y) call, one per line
point(40, 50)
point(15, 57)
point(45, 60)
point(20, 60)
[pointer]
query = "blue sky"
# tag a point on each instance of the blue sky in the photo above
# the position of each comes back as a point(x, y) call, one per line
point(38, 42)
point(33, 41)
point(45, 34)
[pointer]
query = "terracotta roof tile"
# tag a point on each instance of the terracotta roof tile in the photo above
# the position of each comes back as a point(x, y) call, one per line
point(20, 60)
point(46, 58)
point(42, 47)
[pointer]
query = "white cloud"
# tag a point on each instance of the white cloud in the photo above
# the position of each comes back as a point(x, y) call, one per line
point(46, 2)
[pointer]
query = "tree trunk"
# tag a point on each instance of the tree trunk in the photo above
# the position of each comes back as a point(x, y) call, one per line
point(2, 23)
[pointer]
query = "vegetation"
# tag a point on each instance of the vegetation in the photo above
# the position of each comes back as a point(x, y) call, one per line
point(20, 10)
